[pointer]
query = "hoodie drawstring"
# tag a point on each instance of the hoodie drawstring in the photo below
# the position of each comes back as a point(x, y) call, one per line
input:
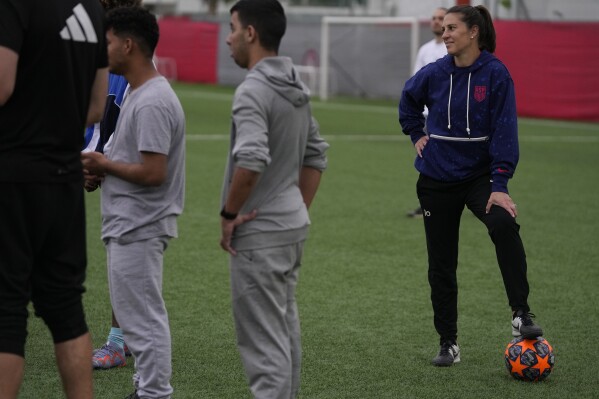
point(449, 102)
point(467, 104)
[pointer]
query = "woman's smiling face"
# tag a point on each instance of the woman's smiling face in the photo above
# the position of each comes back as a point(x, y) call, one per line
point(456, 35)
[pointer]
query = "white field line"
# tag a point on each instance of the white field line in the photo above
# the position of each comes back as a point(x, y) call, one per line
point(379, 109)
point(401, 137)
point(387, 110)
point(329, 137)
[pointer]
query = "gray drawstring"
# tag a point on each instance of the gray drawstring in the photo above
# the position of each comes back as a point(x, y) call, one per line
point(449, 102)
point(467, 104)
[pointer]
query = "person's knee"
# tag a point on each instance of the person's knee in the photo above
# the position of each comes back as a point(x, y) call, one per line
point(499, 221)
point(65, 319)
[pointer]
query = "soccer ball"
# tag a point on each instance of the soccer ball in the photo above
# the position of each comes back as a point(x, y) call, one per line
point(529, 359)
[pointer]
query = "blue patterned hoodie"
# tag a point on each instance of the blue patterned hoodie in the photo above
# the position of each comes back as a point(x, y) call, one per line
point(472, 121)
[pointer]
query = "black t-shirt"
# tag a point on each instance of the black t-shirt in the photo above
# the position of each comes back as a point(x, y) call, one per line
point(61, 45)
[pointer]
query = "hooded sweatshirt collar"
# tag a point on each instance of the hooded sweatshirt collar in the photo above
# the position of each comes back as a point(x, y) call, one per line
point(447, 63)
point(279, 74)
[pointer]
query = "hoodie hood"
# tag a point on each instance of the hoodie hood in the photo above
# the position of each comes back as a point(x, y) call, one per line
point(279, 74)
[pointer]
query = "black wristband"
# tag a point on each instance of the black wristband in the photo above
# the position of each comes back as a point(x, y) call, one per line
point(227, 215)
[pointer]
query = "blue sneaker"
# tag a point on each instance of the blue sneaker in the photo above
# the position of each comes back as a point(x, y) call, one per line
point(125, 347)
point(108, 356)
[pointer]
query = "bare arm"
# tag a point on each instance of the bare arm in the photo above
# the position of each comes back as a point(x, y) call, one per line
point(151, 171)
point(8, 73)
point(98, 97)
point(308, 184)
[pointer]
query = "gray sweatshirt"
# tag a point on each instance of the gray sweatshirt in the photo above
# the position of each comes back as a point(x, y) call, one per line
point(273, 133)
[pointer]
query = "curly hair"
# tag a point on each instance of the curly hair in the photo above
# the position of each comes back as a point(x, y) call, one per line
point(137, 23)
point(111, 4)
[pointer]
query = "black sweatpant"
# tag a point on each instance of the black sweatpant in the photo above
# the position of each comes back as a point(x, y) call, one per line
point(442, 206)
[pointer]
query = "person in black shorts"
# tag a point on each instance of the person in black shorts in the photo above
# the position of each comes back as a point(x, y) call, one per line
point(53, 82)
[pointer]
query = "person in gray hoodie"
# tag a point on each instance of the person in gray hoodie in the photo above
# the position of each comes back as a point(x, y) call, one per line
point(273, 171)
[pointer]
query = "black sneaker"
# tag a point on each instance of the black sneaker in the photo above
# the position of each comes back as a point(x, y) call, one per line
point(449, 353)
point(523, 326)
point(133, 395)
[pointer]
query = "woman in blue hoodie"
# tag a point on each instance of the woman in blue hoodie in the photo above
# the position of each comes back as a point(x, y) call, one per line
point(467, 158)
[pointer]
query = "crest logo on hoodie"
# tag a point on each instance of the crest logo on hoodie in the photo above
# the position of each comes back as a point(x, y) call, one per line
point(480, 93)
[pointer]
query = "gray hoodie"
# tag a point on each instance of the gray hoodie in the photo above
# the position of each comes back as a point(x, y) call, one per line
point(273, 133)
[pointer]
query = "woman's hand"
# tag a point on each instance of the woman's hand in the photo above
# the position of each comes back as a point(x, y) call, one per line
point(503, 200)
point(420, 144)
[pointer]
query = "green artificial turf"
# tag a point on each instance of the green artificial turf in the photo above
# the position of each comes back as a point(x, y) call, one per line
point(363, 293)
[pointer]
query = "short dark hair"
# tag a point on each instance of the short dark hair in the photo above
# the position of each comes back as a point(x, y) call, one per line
point(267, 17)
point(480, 17)
point(136, 22)
point(110, 4)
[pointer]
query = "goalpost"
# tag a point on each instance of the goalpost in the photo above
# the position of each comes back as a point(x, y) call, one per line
point(327, 21)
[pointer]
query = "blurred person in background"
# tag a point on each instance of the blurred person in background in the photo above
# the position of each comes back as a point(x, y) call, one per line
point(430, 51)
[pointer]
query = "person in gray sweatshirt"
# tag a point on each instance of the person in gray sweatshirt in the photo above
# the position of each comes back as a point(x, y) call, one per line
point(273, 171)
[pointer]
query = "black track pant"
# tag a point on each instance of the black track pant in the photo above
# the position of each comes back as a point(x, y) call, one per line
point(442, 206)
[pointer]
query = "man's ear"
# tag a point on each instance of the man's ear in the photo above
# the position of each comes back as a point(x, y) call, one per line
point(251, 34)
point(129, 45)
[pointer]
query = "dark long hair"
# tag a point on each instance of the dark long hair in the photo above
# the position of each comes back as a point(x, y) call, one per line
point(480, 17)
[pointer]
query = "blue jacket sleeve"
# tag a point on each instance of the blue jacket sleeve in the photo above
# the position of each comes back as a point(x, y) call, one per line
point(503, 149)
point(411, 106)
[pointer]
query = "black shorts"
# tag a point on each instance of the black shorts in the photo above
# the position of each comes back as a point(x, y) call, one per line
point(42, 259)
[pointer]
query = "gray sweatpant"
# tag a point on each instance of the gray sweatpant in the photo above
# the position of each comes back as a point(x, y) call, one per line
point(263, 284)
point(135, 282)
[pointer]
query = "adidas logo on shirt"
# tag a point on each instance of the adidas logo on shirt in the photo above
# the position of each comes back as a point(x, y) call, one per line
point(79, 27)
